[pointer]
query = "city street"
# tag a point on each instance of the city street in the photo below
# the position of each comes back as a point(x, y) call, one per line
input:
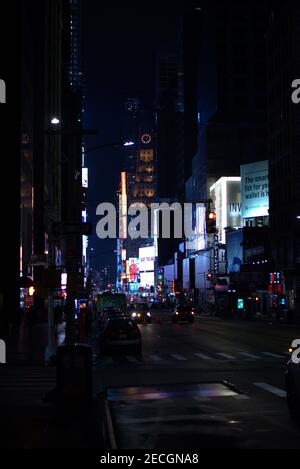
point(162, 406)
point(215, 383)
point(153, 181)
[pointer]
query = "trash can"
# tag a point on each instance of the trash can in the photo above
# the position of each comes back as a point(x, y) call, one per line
point(74, 375)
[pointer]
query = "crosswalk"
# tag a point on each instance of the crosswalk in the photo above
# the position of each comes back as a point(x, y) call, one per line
point(198, 356)
point(38, 380)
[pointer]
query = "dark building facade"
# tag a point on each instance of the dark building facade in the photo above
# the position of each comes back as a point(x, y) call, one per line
point(51, 157)
point(177, 127)
point(231, 91)
point(283, 43)
point(40, 182)
point(170, 176)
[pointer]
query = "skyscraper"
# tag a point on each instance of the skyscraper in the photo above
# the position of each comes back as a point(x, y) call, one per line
point(231, 91)
point(283, 42)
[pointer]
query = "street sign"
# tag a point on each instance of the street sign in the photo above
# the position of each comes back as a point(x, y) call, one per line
point(216, 255)
point(72, 228)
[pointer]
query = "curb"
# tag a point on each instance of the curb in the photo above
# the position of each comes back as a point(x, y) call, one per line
point(109, 427)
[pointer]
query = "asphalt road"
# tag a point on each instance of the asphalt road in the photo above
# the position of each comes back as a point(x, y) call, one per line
point(212, 384)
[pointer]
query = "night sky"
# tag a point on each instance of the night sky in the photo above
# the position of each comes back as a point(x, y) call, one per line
point(119, 53)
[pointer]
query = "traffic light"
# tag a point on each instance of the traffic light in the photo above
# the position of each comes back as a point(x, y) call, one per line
point(211, 222)
point(209, 276)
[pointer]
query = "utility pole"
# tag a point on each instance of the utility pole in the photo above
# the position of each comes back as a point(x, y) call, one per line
point(72, 219)
point(73, 216)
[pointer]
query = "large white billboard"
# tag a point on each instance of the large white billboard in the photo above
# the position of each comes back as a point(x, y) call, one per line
point(186, 273)
point(147, 258)
point(85, 177)
point(255, 189)
point(147, 279)
point(226, 196)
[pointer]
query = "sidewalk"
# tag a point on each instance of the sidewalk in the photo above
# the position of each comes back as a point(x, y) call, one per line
point(27, 344)
point(26, 420)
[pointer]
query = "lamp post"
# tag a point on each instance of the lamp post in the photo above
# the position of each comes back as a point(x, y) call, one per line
point(54, 204)
point(72, 216)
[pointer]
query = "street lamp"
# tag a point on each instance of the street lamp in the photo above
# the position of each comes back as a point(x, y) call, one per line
point(128, 144)
point(55, 121)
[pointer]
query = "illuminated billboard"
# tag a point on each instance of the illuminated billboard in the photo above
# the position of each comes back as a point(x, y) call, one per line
point(133, 287)
point(147, 258)
point(226, 197)
point(147, 279)
point(186, 273)
point(123, 207)
point(255, 189)
point(85, 177)
point(132, 269)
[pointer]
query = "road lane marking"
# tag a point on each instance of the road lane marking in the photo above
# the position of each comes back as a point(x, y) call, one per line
point(273, 355)
point(225, 355)
point(155, 358)
point(163, 419)
point(250, 355)
point(274, 390)
point(177, 356)
point(202, 356)
point(241, 397)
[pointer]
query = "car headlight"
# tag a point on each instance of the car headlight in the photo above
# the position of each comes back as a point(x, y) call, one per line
point(139, 315)
point(148, 314)
point(133, 315)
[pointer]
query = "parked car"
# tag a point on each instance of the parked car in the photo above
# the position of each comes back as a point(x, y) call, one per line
point(140, 313)
point(183, 313)
point(292, 380)
point(109, 313)
point(120, 334)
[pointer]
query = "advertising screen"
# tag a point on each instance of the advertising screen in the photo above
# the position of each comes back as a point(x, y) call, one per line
point(147, 279)
point(132, 269)
point(147, 257)
point(255, 189)
point(226, 196)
